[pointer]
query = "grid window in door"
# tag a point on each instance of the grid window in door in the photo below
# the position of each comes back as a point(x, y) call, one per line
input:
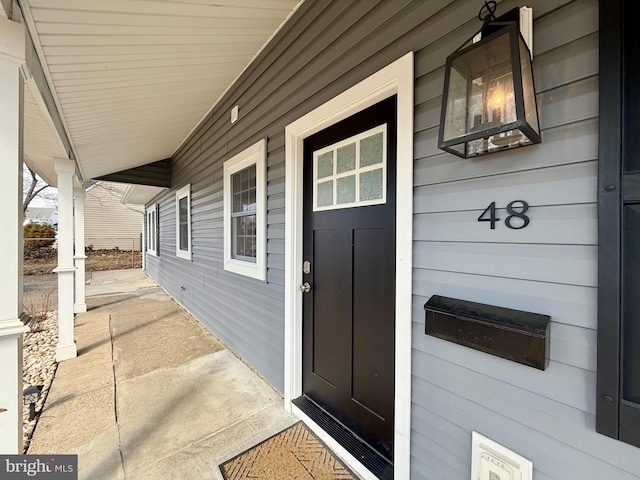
point(351, 173)
point(243, 215)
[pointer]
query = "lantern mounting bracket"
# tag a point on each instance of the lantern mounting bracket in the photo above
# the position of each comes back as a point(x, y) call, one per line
point(489, 9)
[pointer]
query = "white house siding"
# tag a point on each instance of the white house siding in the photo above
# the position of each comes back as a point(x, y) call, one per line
point(549, 267)
point(107, 223)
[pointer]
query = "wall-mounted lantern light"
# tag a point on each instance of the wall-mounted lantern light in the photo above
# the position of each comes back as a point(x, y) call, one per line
point(489, 102)
point(30, 396)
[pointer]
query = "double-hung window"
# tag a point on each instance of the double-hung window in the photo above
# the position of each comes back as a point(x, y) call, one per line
point(245, 212)
point(152, 229)
point(183, 222)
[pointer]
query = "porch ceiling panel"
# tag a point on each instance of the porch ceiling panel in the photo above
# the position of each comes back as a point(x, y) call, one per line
point(132, 78)
point(41, 146)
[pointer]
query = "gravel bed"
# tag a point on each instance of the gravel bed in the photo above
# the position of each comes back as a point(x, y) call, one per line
point(39, 366)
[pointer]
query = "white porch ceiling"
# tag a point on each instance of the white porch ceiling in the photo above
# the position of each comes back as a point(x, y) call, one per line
point(132, 78)
point(41, 146)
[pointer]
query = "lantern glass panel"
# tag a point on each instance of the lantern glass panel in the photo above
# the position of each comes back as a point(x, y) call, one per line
point(530, 109)
point(481, 94)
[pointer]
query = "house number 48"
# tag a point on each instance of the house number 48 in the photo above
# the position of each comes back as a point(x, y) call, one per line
point(516, 218)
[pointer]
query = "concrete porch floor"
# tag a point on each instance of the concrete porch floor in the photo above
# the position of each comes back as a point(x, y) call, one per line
point(152, 394)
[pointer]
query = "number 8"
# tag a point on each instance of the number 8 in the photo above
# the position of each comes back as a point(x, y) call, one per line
point(519, 214)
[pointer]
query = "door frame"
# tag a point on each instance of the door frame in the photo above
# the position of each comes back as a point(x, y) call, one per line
point(396, 78)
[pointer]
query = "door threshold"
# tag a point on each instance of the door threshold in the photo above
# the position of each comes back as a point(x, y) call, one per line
point(376, 464)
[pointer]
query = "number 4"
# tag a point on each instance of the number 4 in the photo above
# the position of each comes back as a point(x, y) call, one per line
point(491, 211)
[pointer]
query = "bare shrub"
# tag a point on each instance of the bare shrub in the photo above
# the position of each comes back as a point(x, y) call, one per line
point(36, 230)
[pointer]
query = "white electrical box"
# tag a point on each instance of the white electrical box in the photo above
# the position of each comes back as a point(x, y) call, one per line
point(492, 461)
point(234, 114)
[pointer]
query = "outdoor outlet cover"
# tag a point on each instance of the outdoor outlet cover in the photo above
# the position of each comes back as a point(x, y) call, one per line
point(234, 114)
point(492, 461)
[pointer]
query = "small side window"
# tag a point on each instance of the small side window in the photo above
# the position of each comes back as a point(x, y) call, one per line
point(245, 212)
point(183, 222)
point(152, 230)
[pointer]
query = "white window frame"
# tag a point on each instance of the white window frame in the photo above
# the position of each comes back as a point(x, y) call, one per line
point(152, 234)
point(180, 194)
point(256, 155)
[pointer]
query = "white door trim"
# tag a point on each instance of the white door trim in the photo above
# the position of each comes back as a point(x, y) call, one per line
point(394, 79)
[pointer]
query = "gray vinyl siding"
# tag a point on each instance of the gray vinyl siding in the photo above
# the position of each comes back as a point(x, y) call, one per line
point(549, 267)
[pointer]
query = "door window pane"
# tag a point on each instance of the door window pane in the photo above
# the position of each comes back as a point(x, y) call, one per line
point(346, 189)
point(346, 158)
point(352, 172)
point(371, 185)
point(325, 193)
point(371, 150)
point(325, 165)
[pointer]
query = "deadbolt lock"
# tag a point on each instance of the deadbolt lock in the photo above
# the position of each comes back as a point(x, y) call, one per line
point(305, 287)
point(306, 267)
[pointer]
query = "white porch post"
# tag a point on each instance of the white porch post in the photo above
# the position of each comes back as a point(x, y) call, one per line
point(12, 56)
point(78, 195)
point(66, 347)
point(143, 245)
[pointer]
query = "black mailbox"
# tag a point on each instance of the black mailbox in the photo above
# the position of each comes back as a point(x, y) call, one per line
point(519, 336)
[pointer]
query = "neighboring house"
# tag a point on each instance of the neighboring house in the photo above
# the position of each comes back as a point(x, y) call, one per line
point(310, 216)
point(42, 215)
point(107, 223)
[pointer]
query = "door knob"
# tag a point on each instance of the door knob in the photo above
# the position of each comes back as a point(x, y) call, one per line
point(305, 287)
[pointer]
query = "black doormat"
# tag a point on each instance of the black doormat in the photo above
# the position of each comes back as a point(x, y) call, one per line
point(295, 453)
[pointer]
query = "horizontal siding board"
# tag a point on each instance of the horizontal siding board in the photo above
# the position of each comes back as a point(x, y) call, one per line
point(567, 184)
point(573, 20)
point(561, 264)
point(441, 460)
point(568, 63)
point(569, 103)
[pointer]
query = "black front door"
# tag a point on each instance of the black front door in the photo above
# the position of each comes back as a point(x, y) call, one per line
point(349, 255)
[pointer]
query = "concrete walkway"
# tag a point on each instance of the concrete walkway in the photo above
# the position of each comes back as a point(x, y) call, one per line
point(152, 394)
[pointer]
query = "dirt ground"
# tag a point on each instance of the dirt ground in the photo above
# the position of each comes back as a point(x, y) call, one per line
point(42, 261)
point(41, 285)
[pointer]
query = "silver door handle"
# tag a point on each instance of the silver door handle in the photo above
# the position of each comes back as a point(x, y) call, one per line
point(305, 287)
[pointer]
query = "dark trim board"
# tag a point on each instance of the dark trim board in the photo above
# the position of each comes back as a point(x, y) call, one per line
point(156, 174)
point(609, 219)
point(617, 189)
